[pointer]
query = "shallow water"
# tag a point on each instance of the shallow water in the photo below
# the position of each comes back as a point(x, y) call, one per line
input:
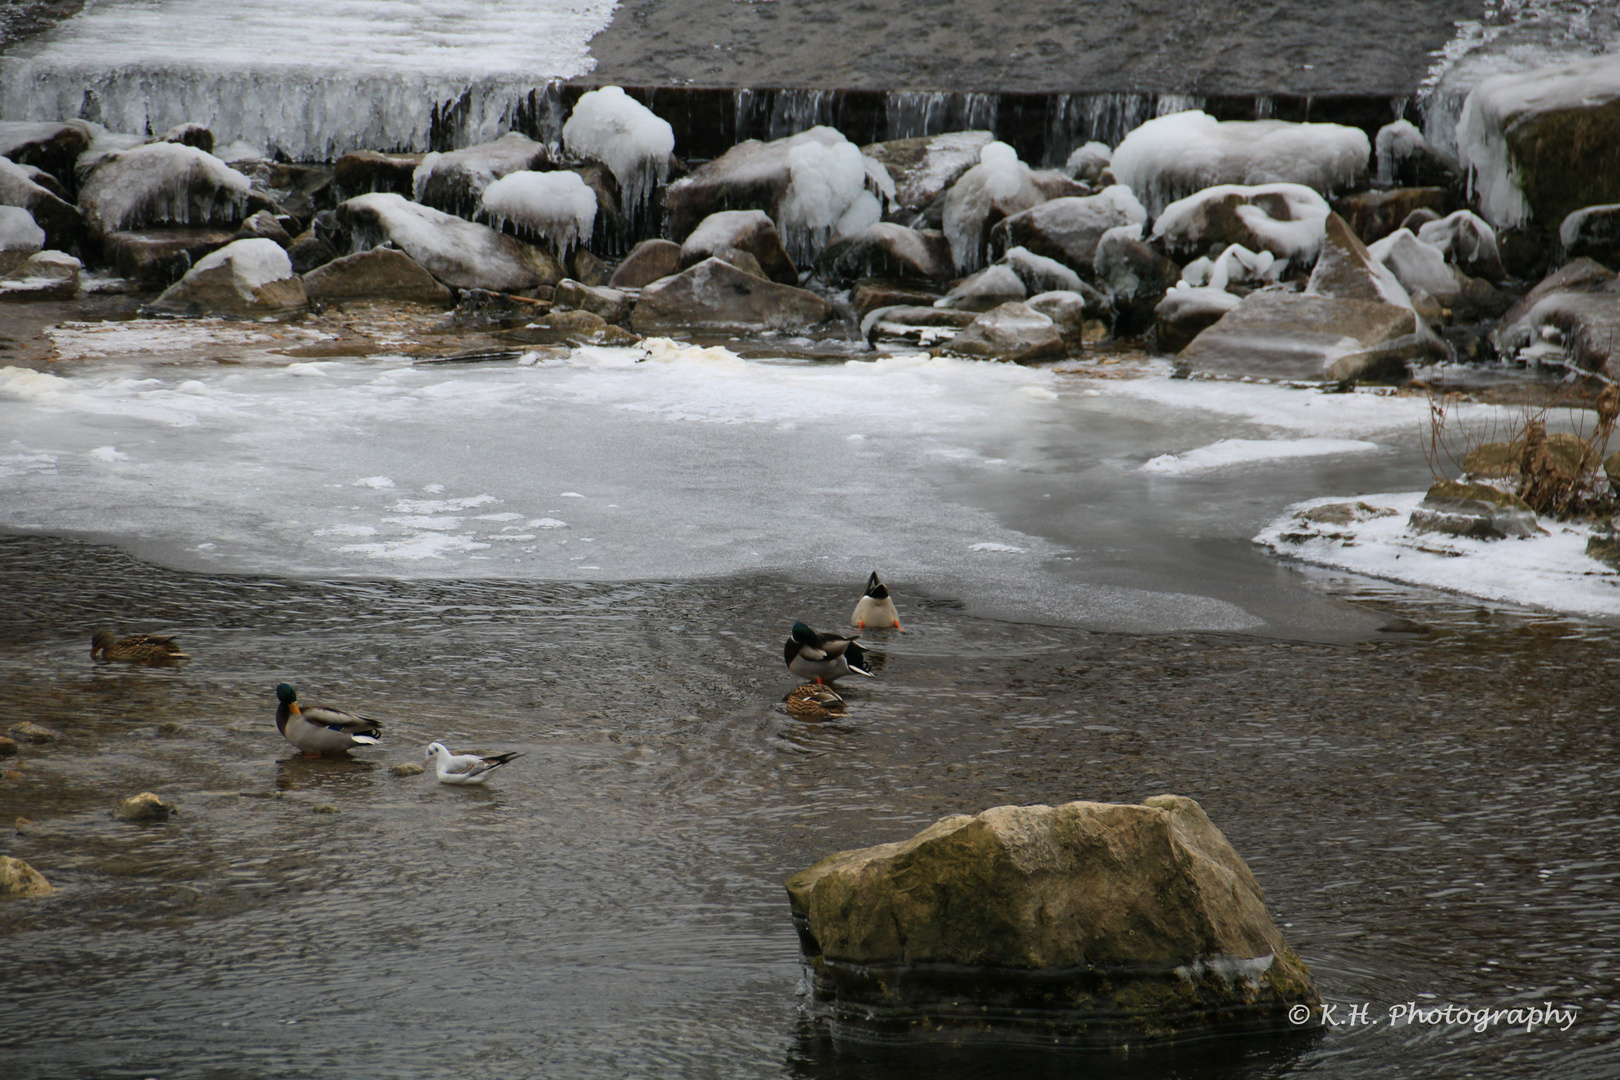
point(1429, 813)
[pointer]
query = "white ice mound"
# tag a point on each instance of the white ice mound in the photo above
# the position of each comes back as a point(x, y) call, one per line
point(611, 127)
point(161, 184)
point(458, 253)
point(1236, 265)
point(828, 194)
point(455, 181)
point(1417, 265)
point(1284, 219)
point(254, 263)
point(1174, 156)
point(559, 207)
point(999, 184)
point(1394, 143)
point(19, 232)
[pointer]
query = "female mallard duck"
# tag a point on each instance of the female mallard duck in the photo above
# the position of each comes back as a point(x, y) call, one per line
point(822, 657)
point(875, 609)
point(137, 648)
point(813, 702)
point(318, 730)
point(465, 768)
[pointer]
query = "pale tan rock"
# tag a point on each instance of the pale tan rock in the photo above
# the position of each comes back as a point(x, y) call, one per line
point(144, 807)
point(18, 880)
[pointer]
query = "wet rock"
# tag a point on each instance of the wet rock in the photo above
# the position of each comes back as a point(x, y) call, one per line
point(48, 275)
point(1088, 923)
point(647, 262)
point(1185, 312)
point(1418, 266)
point(308, 251)
point(1417, 219)
point(8, 746)
point(53, 146)
point(1527, 251)
point(20, 238)
point(925, 166)
point(169, 729)
point(245, 278)
point(904, 324)
point(455, 181)
point(1068, 229)
point(888, 250)
point(1346, 270)
point(161, 184)
point(1040, 274)
point(381, 273)
point(19, 881)
point(323, 808)
point(1013, 332)
point(1275, 334)
point(1571, 318)
point(61, 221)
point(1080, 316)
point(1467, 242)
point(1405, 157)
point(611, 305)
point(1373, 215)
point(409, 768)
point(30, 732)
point(587, 269)
point(1592, 232)
point(25, 827)
point(715, 295)
point(1135, 276)
point(196, 135)
point(1474, 510)
point(989, 288)
point(156, 258)
point(1088, 163)
point(458, 253)
point(362, 172)
point(571, 328)
point(264, 224)
point(868, 296)
point(746, 230)
point(144, 807)
point(1603, 544)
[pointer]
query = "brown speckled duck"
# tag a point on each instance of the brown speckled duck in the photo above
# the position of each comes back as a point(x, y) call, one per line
point(135, 649)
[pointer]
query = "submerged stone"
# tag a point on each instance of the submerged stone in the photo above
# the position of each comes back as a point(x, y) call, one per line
point(1083, 924)
point(144, 807)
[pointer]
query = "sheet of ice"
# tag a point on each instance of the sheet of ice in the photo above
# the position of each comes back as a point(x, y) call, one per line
point(1551, 571)
point(312, 77)
point(1172, 157)
point(626, 136)
point(1229, 453)
point(559, 207)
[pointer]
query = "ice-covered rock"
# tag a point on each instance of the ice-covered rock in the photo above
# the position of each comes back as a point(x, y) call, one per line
point(716, 295)
point(1466, 240)
point(1408, 159)
point(1475, 510)
point(1079, 316)
point(244, 278)
point(1346, 270)
point(378, 274)
point(61, 220)
point(1087, 163)
point(1067, 229)
point(161, 184)
point(455, 181)
point(555, 207)
point(1040, 274)
point(752, 231)
point(911, 325)
point(611, 127)
point(1592, 232)
point(1418, 265)
point(1135, 276)
point(1541, 144)
point(1174, 156)
point(458, 253)
point(647, 262)
point(924, 167)
point(46, 275)
point(1571, 319)
point(157, 258)
point(264, 224)
point(989, 288)
point(20, 238)
point(1284, 219)
point(999, 186)
point(52, 146)
point(1236, 269)
point(888, 250)
point(1013, 332)
point(1186, 311)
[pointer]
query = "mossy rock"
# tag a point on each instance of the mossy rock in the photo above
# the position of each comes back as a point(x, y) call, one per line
point(1476, 511)
point(1572, 456)
point(1566, 159)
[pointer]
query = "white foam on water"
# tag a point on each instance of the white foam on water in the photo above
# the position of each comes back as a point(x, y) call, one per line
point(1234, 452)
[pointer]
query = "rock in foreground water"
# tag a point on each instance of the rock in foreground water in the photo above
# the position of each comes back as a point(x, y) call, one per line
point(19, 880)
point(1088, 923)
point(144, 807)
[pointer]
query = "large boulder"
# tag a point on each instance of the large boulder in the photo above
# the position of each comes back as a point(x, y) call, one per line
point(53, 146)
point(1068, 229)
point(989, 288)
point(61, 220)
point(1135, 275)
point(744, 230)
point(1284, 219)
point(1089, 923)
point(925, 166)
point(1275, 334)
point(19, 881)
point(455, 181)
point(162, 184)
point(246, 278)
point(20, 238)
point(361, 172)
point(716, 295)
point(1347, 270)
point(380, 274)
point(888, 250)
point(1187, 311)
point(1175, 156)
point(1571, 318)
point(456, 252)
point(1080, 316)
point(157, 258)
point(1474, 510)
point(1013, 332)
point(647, 262)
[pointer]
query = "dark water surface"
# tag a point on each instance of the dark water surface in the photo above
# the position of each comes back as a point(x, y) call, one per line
point(1431, 813)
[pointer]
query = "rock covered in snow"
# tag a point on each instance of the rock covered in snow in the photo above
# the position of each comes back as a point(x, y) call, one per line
point(47, 275)
point(998, 187)
point(1079, 316)
point(1175, 156)
point(1466, 240)
point(1284, 219)
point(1541, 144)
point(1013, 332)
point(1187, 311)
point(1408, 159)
point(716, 295)
point(458, 253)
point(1067, 229)
point(455, 181)
point(1040, 274)
point(609, 126)
point(1570, 319)
point(1236, 270)
point(20, 238)
point(555, 207)
point(989, 288)
point(647, 262)
point(61, 220)
point(751, 231)
point(1087, 163)
point(53, 146)
point(381, 273)
point(1474, 510)
point(888, 250)
point(925, 166)
point(1592, 232)
point(161, 184)
point(1417, 265)
point(244, 278)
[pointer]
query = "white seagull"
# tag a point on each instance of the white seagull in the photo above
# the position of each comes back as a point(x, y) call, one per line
point(465, 768)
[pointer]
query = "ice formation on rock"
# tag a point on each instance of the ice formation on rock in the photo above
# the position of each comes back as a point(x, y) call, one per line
point(254, 263)
point(1088, 162)
point(1296, 236)
point(999, 184)
point(455, 181)
point(1417, 265)
point(1394, 142)
point(1465, 239)
point(1175, 156)
point(828, 194)
point(609, 126)
point(1040, 274)
point(20, 236)
point(161, 184)
point(1236, 265)
point(558, 206)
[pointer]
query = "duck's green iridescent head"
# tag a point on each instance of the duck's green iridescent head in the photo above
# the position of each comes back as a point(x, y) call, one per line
point(803, 634)
point(286, 694)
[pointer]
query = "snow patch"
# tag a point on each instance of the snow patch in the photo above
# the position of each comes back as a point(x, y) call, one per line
point(1232, 452)
point(611, 127)
point(557, 206)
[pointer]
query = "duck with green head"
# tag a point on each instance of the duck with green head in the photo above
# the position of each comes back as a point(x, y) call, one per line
point(823, 657)
point(319, 731)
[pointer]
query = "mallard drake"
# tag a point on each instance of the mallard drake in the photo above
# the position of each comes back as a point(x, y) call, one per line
point(137, 648)
point(823, 657)
point(465, 768)
point(318, 730)
point(875, 609)
point(813, 702)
